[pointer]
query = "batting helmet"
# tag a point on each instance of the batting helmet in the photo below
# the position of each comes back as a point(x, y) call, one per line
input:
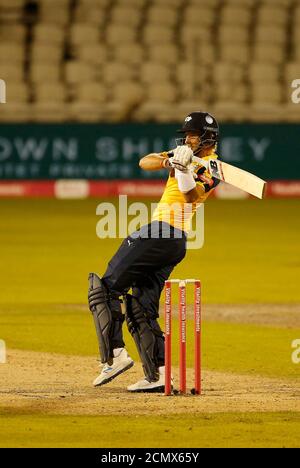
point(203, 124)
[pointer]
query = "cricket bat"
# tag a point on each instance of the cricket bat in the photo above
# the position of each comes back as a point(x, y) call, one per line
point(233, 175)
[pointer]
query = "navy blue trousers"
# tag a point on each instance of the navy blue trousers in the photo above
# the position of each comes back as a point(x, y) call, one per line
point(144, 261)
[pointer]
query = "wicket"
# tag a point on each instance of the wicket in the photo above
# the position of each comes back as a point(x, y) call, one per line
point(182, 334)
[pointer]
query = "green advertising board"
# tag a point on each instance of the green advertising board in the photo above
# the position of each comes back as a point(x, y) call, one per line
point(79, 151)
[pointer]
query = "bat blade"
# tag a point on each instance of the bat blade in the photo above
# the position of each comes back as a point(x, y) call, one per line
point(239, 178)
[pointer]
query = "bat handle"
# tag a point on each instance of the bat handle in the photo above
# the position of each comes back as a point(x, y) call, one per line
point(195, 159)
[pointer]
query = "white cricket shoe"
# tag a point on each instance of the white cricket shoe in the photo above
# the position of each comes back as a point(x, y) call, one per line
point(121, 363)
point(144, 386)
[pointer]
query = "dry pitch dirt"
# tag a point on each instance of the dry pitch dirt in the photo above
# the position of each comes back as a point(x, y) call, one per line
point(45, 383)
point(55, 384)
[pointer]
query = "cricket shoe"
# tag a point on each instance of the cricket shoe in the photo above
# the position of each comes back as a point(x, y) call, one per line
point(121, 363)
point(145, 386)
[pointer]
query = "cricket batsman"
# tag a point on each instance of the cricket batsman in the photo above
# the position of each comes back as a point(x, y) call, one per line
point(146, 259)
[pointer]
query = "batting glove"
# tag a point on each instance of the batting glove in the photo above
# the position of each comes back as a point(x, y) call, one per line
point(182, 158)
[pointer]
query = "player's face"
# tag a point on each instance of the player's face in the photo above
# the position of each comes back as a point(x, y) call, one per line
point(192, 140)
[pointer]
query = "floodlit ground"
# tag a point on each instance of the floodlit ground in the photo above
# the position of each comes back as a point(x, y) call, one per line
point(250, 271)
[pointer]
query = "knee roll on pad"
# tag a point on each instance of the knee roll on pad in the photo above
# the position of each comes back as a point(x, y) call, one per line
point(98, 304)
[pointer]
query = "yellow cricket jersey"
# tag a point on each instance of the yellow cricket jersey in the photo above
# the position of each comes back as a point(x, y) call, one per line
point(172, 207)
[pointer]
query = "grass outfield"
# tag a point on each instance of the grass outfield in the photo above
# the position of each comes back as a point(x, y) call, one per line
point(250, 256)
point(251, 252)
point(237, 430)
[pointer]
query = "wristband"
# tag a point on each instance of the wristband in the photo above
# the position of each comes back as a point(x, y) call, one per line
point(186, 181)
